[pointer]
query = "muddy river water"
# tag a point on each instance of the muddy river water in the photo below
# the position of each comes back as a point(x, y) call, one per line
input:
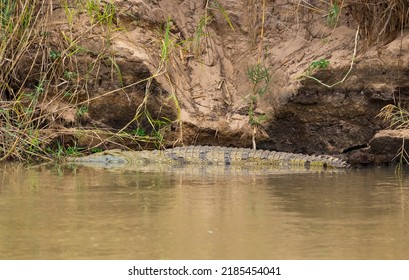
point(66, 212)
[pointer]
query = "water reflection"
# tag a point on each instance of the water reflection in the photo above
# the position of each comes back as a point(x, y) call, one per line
point(73, 212)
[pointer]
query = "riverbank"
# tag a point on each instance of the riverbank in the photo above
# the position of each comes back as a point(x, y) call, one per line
point(307, 77)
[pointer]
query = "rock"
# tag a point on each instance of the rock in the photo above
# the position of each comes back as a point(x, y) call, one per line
point(384, 148)
point(389, 141)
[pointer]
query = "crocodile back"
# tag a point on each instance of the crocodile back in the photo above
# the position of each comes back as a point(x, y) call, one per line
point(232, 156)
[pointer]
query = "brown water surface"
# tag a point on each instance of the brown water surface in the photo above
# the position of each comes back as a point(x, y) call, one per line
point(62, 212)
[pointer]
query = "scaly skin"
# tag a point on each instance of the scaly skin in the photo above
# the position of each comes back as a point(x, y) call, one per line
point(209, 155)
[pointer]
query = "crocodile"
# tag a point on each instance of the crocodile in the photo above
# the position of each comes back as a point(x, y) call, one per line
point(210, 155)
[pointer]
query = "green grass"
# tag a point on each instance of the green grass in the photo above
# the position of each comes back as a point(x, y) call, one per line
point(139, 131)
point(333, 13)
point(60, 151)
point(103, 12)
point(167, 46)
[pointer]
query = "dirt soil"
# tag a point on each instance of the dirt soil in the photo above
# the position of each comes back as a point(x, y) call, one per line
point(208, 76)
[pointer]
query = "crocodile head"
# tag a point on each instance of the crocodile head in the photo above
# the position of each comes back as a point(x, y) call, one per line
point(111, 158)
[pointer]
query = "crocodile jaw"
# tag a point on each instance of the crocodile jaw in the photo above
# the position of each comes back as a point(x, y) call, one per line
point(101, 160)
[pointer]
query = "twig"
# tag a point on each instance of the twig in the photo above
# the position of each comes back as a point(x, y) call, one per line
point(346, 75)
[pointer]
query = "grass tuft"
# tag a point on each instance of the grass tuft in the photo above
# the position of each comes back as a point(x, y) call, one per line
point(45, 80)
point(380, 20)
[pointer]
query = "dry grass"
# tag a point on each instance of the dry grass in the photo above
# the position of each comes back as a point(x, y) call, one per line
point(44, 79)
point(22, 36)
point(379, 20)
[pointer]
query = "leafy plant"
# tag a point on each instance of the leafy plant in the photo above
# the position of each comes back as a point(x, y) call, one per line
point(319, 64)
point(39, 88)
point(260, 78)
point(82, 110)
point(54, 55)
